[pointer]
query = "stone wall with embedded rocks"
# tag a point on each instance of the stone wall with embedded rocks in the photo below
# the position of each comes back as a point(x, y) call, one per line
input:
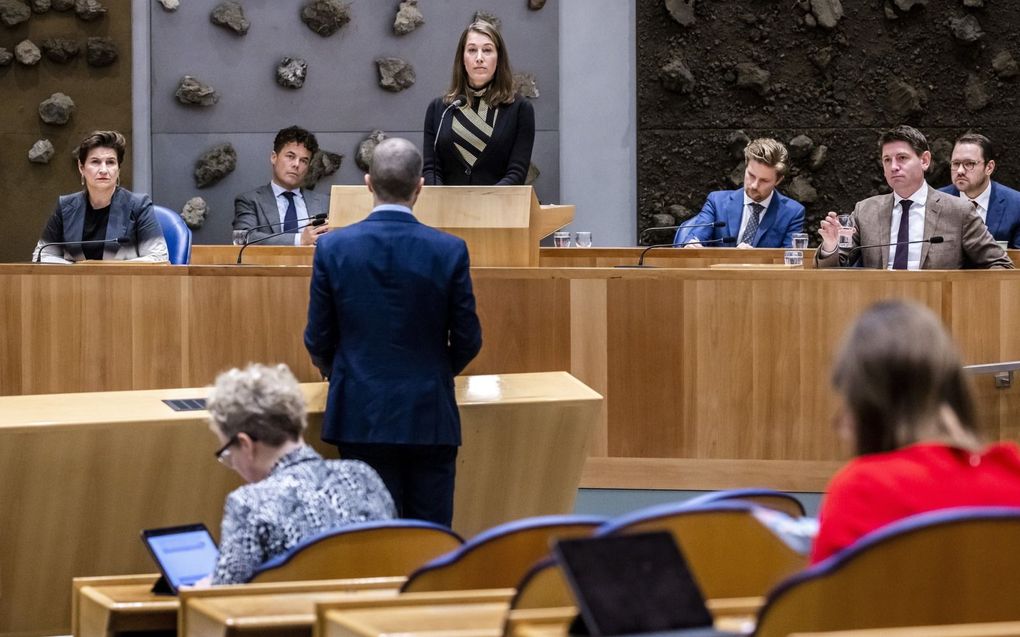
point(53, 54)
point(256, 67)
point(823, 76)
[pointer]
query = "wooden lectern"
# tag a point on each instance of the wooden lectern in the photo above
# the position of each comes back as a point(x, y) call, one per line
point(502, 225)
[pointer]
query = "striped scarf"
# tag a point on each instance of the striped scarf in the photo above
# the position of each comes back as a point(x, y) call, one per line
point(472, 128)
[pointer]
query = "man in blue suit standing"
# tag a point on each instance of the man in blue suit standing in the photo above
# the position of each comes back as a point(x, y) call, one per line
point(972, 165)
point(757, 215)
point(391, 321)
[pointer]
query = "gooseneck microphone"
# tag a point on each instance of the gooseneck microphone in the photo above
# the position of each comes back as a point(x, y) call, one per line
point(317, 220)
point(717, 224)
point(934, 239)
point(458, 102)
point(119, 240)
point(266, 226)
point(641, 259)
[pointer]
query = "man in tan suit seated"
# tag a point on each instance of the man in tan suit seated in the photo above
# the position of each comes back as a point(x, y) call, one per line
point(911, 216)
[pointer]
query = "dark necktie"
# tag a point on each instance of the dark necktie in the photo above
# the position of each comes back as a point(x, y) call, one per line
point(900, 260)
point(290, 219)
point(752, 224)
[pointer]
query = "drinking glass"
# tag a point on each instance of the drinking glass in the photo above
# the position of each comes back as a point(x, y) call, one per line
point(582, 239)
point(800, 240)
point(846, 232)
point(561, 239)
point(793, 257)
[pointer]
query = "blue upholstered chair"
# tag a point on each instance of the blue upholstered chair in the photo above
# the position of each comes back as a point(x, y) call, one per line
point(500, 556)
point(367, 549)
point(177, 235)
point(768, 498)
point(955, 566)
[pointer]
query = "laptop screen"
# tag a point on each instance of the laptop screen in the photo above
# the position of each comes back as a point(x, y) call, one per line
point(185, 554)
point(632, 584)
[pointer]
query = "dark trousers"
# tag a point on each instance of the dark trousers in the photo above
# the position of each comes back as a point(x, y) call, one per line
point(419, 477)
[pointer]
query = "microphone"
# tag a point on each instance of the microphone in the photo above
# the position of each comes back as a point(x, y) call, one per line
point(458, 102)
point(119, 240)
point(934, 239)
point(317, 220)
point(321, 215)
point(717, 224)
point(641, 259)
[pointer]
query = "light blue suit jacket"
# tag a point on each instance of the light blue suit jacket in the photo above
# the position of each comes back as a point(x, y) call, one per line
point(781, 220)
point(1003, 218)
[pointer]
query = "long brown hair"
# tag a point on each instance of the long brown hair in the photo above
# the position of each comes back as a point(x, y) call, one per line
point(501, 88)
point(898, 371)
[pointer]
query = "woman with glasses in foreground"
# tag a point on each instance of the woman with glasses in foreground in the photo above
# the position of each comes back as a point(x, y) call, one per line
point(258, 414)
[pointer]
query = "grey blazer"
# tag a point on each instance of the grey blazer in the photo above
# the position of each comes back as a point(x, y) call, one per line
point(258, 208)
point(131, 217)
point(966, 240)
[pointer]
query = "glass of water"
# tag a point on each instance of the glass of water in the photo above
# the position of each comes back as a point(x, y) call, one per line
point(793, 257)
point(800, 240)
point(561, 239)
point(846, 232)
point(239, 237)
point(582, 239)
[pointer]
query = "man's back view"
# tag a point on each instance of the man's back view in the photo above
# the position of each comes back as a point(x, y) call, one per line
point(391, 321)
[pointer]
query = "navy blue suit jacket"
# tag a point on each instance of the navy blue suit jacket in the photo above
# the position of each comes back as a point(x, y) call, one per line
point(781, 220)
point(1003, 219)
point(391, 321)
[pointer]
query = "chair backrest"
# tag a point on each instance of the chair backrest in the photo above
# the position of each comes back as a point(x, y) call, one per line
point(367, 549)
point(543, 586)
point(768, 498)
point(177, 235)
point(500, 556)
point(730, 552)
point(946, 567)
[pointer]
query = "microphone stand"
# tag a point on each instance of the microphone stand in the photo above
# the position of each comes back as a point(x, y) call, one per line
point(315, 221)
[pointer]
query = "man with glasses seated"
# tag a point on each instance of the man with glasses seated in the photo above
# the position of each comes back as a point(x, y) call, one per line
point(258, 414)
point(972, 166)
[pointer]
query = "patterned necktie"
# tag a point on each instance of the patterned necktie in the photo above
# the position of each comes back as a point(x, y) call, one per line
point(290, 219)
point(900, 259)
point(752, 224)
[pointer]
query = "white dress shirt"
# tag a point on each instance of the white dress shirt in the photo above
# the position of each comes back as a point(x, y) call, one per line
point(745, 216)
point(918, 201)
point(281, 205)
point(981, 201)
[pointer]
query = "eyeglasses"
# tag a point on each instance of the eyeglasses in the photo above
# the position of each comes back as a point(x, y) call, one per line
point(966, 165)
point(223, 453)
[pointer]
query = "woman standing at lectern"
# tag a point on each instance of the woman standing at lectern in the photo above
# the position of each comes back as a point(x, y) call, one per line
point(480, 133)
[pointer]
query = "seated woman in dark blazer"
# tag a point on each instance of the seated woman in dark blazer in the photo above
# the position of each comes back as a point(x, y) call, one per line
point(102, 212)
point(908, 411)
point(487, 140)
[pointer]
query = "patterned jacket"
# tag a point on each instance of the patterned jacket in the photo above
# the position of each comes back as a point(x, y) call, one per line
point(302, 496)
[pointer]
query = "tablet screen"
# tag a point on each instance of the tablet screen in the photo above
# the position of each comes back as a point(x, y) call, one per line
point(185, 554)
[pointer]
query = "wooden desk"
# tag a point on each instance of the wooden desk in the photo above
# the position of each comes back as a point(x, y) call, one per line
point(477, 613)
point(990, 629)
point(82, 474)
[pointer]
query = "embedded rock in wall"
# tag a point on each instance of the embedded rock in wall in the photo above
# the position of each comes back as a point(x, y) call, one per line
point(800, 147)
point(1004, 65)
point(14, 12)
point(966, 29)
point(976, 93)
point(89, 10)
point(682, 11)
point(827, 12)
point(974, 4)
point(525, 85)
point(819, 156)
point(56, 109)
point(191, 91)
point(822, 58)
point(323, 164)
point(40, 6)
point(736, 143)
point(326, 17)
point(215, 164)
point(170, 5)
point(907, 5)
point(902, 99)
point(491, 18)
point(736, 175)
point(676, 77)
point(363, 158)
point(395, 74)
point(941, 154)
point(41, 152)
point(100, 51)
point(291, 72)
point(60, 50)
point(536, 5)
point(63, 5)
point(801, 189)
point(27, 53)
point(752, 76)
point(6, 57)
point(408, 17)
point(230, 15)
point(194, 212)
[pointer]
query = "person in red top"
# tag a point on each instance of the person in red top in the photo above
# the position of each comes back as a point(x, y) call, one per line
point(909, 413)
